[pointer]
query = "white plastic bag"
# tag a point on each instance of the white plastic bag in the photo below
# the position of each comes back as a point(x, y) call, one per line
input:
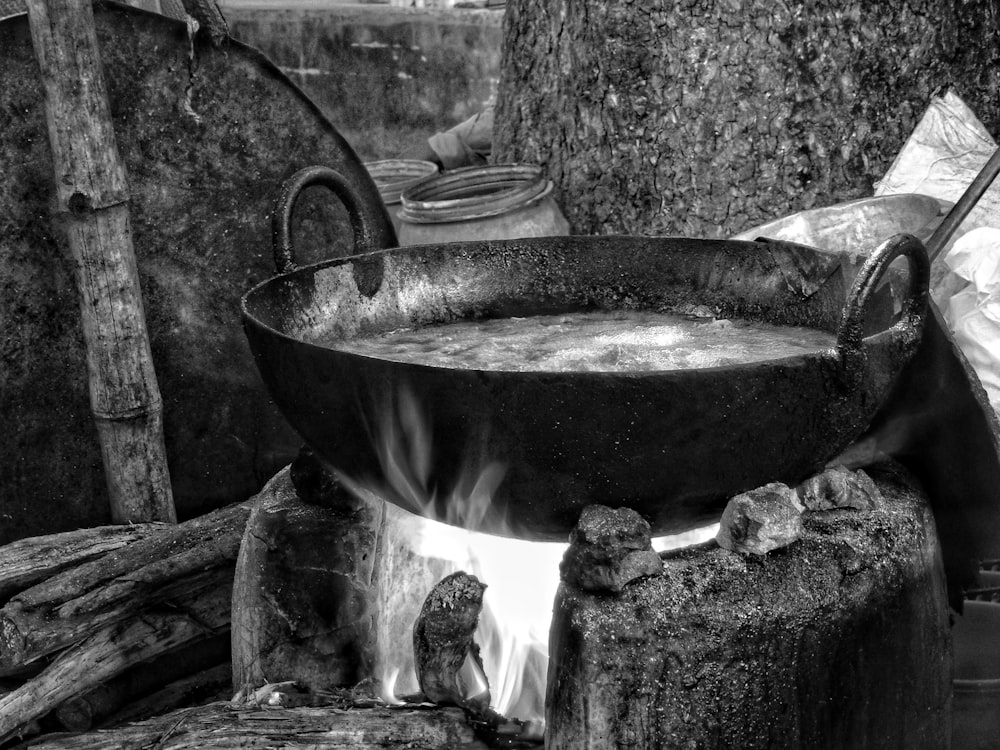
point(973, 311)
point(942, 156)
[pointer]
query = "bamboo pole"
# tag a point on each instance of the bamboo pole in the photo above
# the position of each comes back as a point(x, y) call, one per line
point(92, 209)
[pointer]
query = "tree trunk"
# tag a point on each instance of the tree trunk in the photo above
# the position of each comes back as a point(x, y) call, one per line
point(704, 118)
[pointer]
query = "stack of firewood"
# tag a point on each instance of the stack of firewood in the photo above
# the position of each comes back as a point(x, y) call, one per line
point(114, 623)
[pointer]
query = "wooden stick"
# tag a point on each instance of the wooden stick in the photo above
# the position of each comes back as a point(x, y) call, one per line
point(92, 208)
point(223, 725)
point(113, 649)
point(30, 561)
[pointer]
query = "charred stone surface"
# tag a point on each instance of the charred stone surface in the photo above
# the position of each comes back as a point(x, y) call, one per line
point(839, 640)
point(761, 520)
point(316, 485)
point(303, 597)
point(609, 548)
point(442, 641)
point(839, 487)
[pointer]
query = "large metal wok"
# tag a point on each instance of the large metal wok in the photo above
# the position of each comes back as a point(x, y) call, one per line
point(674, 445)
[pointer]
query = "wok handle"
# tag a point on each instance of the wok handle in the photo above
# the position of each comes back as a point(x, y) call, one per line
point(909, 327)
point(281, 216)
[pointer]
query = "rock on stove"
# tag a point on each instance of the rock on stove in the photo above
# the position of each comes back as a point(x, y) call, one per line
point(839, 487)
point(609, 548)
point(443, 638)
point(761, 520)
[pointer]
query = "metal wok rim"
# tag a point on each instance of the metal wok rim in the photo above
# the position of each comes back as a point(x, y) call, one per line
point(314, 268)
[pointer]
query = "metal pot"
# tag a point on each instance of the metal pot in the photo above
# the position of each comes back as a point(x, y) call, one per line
point(673, 445)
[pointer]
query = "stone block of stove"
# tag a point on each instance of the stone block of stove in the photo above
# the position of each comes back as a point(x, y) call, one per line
point(304, 598)
point(838, 640)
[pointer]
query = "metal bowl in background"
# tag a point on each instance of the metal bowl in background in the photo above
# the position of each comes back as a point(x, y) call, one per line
point(393, 176)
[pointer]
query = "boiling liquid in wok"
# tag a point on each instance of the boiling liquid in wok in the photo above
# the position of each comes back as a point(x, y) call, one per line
point(598, 341)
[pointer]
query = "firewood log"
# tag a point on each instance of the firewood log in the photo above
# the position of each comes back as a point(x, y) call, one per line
point(190, 662)
point(63, 609)
point(223, 725)
point(165, 555)
point(114, 648)
point(26, 562)
point(207, 686)
point(443, 641)
point(27, 635)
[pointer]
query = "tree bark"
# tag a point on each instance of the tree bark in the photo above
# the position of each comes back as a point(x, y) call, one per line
point(707, 117)
point(92, 206)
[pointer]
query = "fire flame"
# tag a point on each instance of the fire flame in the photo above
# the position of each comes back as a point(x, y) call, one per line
point(417, 550)
point(403, 445)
